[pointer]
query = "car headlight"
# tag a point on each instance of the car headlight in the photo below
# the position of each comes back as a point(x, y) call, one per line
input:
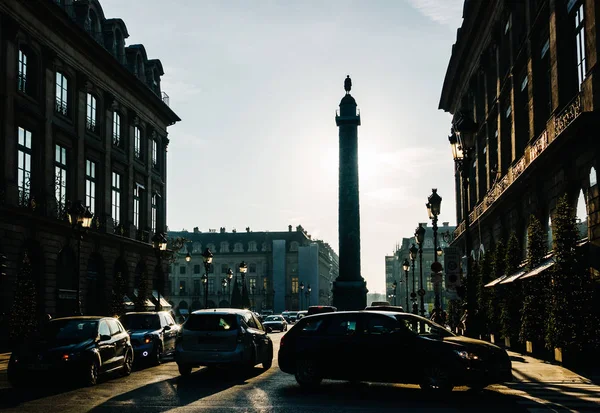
point(465, 355)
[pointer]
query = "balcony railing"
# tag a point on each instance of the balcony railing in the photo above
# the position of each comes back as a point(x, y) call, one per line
point(532, 151)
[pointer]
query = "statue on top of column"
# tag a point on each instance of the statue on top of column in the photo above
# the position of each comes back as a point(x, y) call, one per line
point(347, 84)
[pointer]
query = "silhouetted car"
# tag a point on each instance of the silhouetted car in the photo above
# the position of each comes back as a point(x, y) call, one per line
point(78, 347)
point(275, 322)
point(222, 336)
point(356, 346)
point(394, 308)
point(153, 334)
point(320, 309)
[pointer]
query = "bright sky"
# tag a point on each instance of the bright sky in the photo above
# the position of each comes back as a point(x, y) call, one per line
point(256, 84)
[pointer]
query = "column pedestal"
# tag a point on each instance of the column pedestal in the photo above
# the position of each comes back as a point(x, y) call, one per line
point(350, 295)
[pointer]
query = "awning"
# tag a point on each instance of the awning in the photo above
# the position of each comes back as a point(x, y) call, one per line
point(540, 268)
point(513, 277)
point(127, 303)
point(496, 281)
point(163, 303)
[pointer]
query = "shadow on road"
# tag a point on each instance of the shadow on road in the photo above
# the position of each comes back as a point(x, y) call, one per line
point(519, 359)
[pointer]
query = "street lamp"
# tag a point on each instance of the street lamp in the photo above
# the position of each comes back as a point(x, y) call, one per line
point(412, 252)
point(243, 270)
point(395, 288)
point(207, 257)
point(301, 292)
point(434, 206)
point(462, 141)
point(80, 218)
point(229, 278)
point(188, 257)
point(439, 251)
point(308, 290)
point(420, 237)
point(159, 243)
point(406, 267)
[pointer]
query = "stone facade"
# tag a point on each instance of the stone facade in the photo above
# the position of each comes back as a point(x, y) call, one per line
point(526, 73)
point(278, 263)
point(78, 108)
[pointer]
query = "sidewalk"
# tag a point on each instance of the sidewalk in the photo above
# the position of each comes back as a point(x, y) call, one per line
point(527, 369)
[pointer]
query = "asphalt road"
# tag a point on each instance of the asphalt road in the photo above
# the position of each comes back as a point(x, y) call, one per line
point(161, 388)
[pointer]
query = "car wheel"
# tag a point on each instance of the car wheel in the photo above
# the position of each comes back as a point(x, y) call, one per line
point(127, 364)
point(436, 378)
point(307, 373)
point(157, 355)
point(268, 362)
point(184, 369)
point(91, 373)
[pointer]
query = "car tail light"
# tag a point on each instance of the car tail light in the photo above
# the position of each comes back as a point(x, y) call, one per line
point(282, 341)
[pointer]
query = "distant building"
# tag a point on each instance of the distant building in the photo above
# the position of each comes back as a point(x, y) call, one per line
point(83, 118)
point(279, 263)
point(395, 272)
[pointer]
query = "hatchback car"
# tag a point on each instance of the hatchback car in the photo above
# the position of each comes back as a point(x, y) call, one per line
point(153, 334)
point(222, 337)
point(78, 347)
point(356, 346)
point(275, 322)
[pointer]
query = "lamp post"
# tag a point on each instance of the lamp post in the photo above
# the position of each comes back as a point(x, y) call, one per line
point(434, 207)
point(80, 218)
point(223, 286)
point(159, 242)
point(462, 141)
point(207, 257)
point(405, 267)
point(243, 267)
point(394, 288)
point(412, 252)
point(229, 278)
point(420, 237)
point(308, 290)
point(301, 293)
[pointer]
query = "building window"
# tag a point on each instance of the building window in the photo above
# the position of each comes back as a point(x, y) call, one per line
point(252, 285)
point(182, 269)
point(252, 246)
point(294, 285)
point(137, 142)
point(580, 40)
point(211, 269)
point(224, 246)
point(24, 165)
point(90, 185)
point(197, 269)
point(60, 177)
point(116, 197)
point(593, 179)
point(61, 93)
point(238, 247)
point(154, 211)
point(196, 287)
point(252, 267)
point(22, 80)
point(211, 286)
point(90, 121)
point(116, 129)
point(154, 153)
point(136, 205)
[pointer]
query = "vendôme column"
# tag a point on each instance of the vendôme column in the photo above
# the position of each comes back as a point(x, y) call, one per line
point(350, 289)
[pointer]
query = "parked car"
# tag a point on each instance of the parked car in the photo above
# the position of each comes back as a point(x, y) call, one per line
point(301, 313)
point(286, 315)
point(356, 346)
point(394, 308)
point(292, 315)
point(275, 322)
point(320, 309)
point(222, 336)
point(153, 334)
point(80, 347)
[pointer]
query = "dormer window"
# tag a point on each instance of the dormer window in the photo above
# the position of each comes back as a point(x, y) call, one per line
point(238, 247)
point(224, 246)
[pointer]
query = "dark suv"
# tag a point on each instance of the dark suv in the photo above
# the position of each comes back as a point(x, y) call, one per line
point(77, 347)
point(356, 346)
point(153, 334)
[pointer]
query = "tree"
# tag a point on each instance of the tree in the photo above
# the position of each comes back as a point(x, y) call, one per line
point(117, 306)
point(484, 293)
point(495, 296)
point(533, 313)
point(23, 312)
point(571, 322)
point(510, 314)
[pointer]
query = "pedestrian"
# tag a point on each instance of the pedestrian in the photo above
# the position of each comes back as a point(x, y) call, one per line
point(463, 322)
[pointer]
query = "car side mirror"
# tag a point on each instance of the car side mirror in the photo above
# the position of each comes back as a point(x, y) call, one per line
point(167, 328)
point(104, 337)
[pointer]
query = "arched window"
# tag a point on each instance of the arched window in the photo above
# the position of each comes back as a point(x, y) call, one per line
point(582, 215)
point(196, 247)
point(252, 246)
point(593, 180)
point(238, 247)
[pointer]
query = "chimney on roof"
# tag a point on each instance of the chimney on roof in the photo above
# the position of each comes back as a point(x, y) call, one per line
point(222, 230)
point(423, 224)
point(445, 224)
point(196, 230)
point(247, 229)
point(289, 228)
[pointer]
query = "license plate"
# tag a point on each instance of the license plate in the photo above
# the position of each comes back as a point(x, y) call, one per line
point(38, 367)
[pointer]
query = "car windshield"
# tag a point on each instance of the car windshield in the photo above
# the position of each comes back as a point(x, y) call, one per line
point(424, 327)
point(140, 321)
point(70, 331)
point(273, 318)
